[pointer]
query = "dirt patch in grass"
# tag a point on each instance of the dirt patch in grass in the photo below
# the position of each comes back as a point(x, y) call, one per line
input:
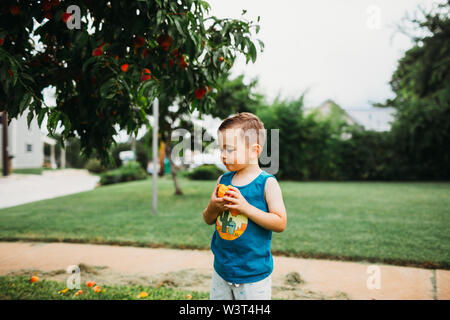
point(288, 287)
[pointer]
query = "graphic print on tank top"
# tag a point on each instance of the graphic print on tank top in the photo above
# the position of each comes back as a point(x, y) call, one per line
point(231, 225)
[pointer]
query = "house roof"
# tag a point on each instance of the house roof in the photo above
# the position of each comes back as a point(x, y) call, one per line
point(374, 118)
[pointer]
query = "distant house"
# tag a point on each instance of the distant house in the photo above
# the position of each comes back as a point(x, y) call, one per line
point(377, 119)
point(27, 145)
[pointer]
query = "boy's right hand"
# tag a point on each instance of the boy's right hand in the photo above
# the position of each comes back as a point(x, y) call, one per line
point(216, 201)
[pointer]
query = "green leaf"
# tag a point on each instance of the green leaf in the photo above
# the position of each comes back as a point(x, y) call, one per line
point(41, 115)
point(28, 77)
point(87, 63)
point(66, 121)
point(160, 16)
point(53, 119)
point(252, 51)
point(104, 89)
point(205, 5)
point(261, 44)
point(178, 26)
point(30, 118)
point(24, 102)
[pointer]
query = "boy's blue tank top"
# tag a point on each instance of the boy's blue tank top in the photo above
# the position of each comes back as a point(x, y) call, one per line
point(241, 247)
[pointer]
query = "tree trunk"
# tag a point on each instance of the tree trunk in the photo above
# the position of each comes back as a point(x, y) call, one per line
point(173, 169)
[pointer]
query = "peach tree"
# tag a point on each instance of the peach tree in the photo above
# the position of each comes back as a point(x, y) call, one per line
point(108, 60)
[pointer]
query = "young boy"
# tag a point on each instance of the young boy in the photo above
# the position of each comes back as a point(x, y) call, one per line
point(245, 216)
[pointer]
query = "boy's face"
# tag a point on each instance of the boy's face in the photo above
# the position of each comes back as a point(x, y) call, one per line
point(235, 152)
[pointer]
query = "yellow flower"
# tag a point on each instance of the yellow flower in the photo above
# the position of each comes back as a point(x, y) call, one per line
point(143, 294)
point(63, 290)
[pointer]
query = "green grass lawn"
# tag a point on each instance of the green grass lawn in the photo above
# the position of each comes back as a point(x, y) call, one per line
point(386, 222)
point(20, 288)
point(29, 170)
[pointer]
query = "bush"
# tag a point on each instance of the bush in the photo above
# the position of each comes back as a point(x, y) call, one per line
point(205, 172)
point(93, 165)
point(132, 170)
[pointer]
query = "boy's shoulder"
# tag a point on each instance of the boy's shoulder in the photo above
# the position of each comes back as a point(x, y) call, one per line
point(270, 183)
point(268, 175)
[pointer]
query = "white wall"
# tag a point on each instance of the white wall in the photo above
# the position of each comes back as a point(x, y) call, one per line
point(18, 137)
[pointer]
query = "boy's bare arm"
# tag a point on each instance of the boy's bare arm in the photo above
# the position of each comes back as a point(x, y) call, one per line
point(210, 214)
point(214, 208)
point(275, 219)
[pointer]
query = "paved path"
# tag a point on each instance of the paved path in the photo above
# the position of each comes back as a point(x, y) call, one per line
point(17, 189)
point(325, 277)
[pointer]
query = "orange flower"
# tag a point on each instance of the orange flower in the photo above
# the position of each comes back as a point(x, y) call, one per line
point(143, 294)
point(124, 67)
point(34, 279)
point(188, 296)
point(97, 289)
point(78, 292)
point(90, 284)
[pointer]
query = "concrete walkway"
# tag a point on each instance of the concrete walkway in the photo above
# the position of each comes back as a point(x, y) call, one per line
point(17, 189)
point(323, 279)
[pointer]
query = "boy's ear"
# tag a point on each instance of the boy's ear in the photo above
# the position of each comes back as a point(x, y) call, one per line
point(257, 148)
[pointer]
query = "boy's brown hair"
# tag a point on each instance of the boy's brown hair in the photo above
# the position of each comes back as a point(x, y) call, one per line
point(246, 121)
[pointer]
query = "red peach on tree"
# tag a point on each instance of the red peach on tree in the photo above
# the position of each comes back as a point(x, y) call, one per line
point(124, 67)
point(145, 74)
point(66, 16)
point(14, 9)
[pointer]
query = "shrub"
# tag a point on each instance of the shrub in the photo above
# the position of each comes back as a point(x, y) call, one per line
point(132, 170)
point(93, 165)
point(205, 172)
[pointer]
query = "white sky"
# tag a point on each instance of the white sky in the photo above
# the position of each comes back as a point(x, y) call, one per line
point(324, 45)
point(335, 49)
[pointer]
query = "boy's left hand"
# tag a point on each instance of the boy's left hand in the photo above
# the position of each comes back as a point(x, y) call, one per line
point(238, 202)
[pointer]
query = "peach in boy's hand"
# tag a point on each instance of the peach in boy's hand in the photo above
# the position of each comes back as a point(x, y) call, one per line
point(236, 202)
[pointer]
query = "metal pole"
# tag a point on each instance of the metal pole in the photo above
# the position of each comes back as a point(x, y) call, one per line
point(5, 143)
point(155, 154)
